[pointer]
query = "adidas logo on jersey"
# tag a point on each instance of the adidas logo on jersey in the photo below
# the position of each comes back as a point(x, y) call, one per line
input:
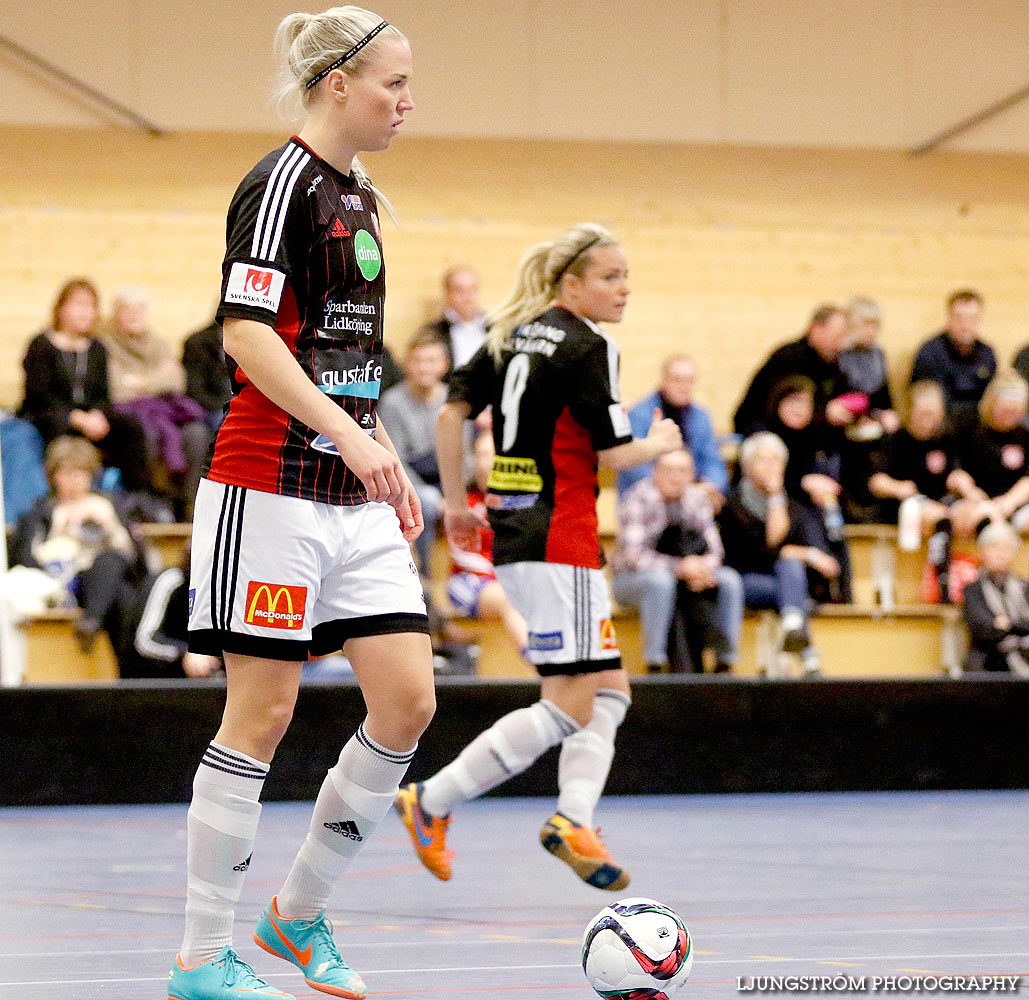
point(243, 865)
point(348, 829)
point(339, 231)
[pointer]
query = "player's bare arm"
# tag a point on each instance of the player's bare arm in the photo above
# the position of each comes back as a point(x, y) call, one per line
point(460, 521)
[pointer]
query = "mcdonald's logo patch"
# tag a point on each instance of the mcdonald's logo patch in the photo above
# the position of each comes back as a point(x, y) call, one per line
point(608, 639)
point(275, 605)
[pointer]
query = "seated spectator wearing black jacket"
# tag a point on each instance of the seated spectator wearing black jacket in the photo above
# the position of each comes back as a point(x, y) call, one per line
point(207, 377)
point(67, 389)
point(996, 453)
point(996, 606)
point(774, 543)
point(812, 476)
point(815, 355)
point(957, 359)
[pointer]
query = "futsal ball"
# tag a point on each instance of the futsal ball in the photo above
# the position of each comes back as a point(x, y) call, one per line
point(637, 949)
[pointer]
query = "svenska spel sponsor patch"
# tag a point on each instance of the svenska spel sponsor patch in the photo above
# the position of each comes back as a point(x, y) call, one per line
point(275, 605)
point(255, 285)
point(546, 641)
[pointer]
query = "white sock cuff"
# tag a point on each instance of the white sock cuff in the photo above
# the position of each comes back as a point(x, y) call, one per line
point(371, 765)
point(372, 805)
point(558, 723)
point(614, 704)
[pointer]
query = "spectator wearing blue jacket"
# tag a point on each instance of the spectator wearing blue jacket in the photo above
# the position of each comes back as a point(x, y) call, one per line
point(674, 397)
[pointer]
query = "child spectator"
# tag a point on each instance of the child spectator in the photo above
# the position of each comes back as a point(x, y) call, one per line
point(75, 535)
point(408, 412)
point(668, 563)
point(771, 541)
point(996, 606)
point(472, 589)
point(67, 389)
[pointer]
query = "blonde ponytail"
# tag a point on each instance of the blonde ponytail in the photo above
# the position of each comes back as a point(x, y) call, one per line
point(305, 44)
point(538, 281)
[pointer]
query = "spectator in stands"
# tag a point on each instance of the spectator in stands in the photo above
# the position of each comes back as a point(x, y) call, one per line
point(996, 606)
point(668, 564)
point(67, 389)
point(462, 327)
point(409, 411)
point(473, 590)
point(674, 397)
point(812, 476)
point(769, 540)
point(957, 359)
point(816, 355)
point(207, 377)
point(864, 363)
point(21, 450)
point(148, 383)
point(1021, 362)
point(996, 453)
point(75, 535)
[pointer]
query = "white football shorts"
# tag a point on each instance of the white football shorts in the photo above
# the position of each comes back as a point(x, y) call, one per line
point(568, 611)
point(284, 578)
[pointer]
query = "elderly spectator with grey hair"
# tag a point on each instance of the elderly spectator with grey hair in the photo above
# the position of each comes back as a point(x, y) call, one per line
point(996, 606)
point(774, 543)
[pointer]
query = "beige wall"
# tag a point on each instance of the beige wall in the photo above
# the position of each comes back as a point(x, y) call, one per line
point(870, 73)
point(730, 248)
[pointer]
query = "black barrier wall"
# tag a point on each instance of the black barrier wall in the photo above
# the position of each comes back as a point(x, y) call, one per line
point(141, 742)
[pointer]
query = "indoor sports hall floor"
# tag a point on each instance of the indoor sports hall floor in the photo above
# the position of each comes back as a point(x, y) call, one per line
point(769, 885)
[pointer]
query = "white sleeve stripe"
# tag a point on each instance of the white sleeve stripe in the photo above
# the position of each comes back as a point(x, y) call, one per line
point(287, 154)
point(277, 206)
point(153, 614)
point(612, 369)
point(287, 194)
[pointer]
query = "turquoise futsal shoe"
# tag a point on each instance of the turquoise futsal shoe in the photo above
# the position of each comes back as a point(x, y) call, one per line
point(309, 945)
point(225, 977)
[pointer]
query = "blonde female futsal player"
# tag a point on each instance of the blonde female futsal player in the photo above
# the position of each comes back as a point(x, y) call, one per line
point(300, 539)
point(551, 377)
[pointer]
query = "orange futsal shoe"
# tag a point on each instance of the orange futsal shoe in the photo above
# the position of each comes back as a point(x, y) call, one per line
point(584, 852)
point(428, 833)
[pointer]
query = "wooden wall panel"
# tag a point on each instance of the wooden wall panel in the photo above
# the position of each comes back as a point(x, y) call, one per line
point(730, 249)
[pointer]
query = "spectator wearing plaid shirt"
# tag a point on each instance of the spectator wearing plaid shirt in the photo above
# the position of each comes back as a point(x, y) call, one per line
point(648, 579)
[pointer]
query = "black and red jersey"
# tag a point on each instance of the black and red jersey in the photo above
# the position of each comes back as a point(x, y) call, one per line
point(303, 255)
point(556, 403)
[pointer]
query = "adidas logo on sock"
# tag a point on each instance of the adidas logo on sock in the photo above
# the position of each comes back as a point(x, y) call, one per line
point(244, 865)
point(348, 828)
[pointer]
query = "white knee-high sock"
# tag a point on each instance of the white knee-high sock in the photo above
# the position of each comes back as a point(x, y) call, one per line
point(507, 748)
point(586, 757)
point(221, 829)
point(354, 798)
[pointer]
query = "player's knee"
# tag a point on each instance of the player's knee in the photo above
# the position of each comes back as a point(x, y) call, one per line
point(271, 724)
point(409, 716)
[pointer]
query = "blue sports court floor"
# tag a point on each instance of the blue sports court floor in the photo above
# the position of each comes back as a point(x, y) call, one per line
point(769, 885)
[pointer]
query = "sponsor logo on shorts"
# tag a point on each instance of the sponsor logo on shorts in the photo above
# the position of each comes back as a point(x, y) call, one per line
point(520, 501)
point(546, 641)
point(192, 599)
point(275, 605)
point(519, 475)
point(352, 202)
point(369, 259)
point(608, 639)
point(253, 285)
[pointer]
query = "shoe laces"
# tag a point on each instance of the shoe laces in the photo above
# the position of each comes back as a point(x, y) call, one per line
point(321, 931)
point(238, 973)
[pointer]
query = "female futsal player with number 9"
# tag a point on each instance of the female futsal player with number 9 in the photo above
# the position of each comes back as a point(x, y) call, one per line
point(551, 377)
point(302, 524)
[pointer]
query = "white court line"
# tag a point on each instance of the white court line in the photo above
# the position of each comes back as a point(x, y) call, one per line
point(574, 965)
point(465, 942)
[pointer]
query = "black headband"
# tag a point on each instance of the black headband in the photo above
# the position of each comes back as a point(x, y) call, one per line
point(347, 55)
point(571, 260)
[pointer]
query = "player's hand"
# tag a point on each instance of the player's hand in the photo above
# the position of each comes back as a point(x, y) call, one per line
point(377, 467)
point(664, 434)
point(199, 665)
point(462, 526)
point(409, 512)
